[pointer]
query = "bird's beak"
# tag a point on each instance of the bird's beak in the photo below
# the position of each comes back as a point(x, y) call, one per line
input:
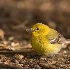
point(29, 30)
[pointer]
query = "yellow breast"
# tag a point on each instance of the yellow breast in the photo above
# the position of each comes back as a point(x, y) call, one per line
point(42, 46)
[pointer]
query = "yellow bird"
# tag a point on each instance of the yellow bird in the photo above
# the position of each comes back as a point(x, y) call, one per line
point(46, 41)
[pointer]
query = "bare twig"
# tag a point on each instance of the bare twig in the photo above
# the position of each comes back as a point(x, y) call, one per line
point(29, 52)
point(23, 51)
point(23, 25)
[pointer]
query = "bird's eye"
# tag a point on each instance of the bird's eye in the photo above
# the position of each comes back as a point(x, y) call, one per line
point(37, 28)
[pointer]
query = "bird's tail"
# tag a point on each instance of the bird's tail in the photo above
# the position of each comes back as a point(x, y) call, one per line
point(66, 43)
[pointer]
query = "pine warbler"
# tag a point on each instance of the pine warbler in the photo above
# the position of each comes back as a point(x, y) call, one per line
point(46, 40)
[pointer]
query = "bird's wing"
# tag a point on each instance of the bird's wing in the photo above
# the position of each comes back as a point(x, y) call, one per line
point(55, 37)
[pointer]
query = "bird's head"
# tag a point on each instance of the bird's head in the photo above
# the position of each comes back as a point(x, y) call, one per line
point(40, 29)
